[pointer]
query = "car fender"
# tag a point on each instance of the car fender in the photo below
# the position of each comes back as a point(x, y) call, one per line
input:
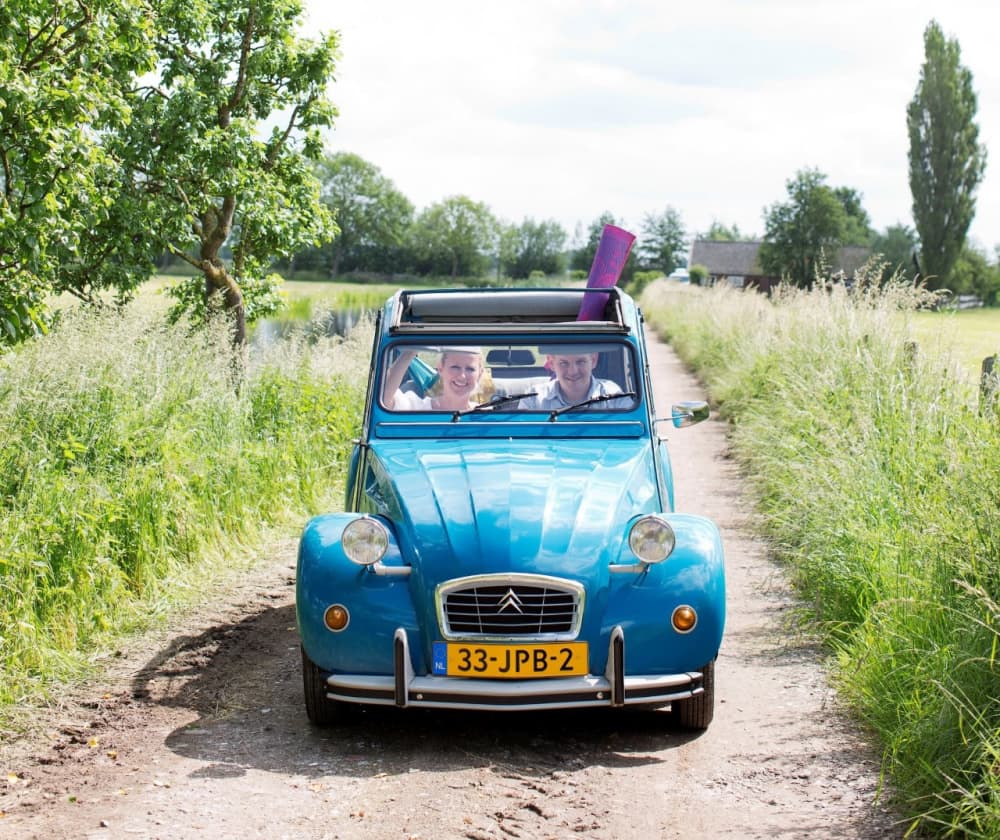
point(377, 604)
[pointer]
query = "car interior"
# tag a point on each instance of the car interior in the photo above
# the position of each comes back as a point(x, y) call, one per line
point(513, 369)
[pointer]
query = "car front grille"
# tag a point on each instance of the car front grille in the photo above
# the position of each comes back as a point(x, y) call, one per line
point(511, 607)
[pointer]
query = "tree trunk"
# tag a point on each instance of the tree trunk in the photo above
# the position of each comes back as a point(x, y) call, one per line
point(218, 280)
point(216, 224)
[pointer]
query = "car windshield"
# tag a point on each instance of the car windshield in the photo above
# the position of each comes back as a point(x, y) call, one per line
point(510, 377)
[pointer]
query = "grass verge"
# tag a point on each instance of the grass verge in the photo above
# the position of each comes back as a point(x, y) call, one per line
point(878, 475)
point(128, 461)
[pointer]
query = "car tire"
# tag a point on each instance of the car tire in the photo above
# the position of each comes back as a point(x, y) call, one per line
point(321, 710)
point(697, 712)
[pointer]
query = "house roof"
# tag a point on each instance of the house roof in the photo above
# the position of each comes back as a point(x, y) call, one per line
point(739, 259)
point(852, 257)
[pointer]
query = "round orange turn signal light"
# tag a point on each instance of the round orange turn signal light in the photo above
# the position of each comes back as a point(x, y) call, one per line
point(684, 619)
point(336, 617)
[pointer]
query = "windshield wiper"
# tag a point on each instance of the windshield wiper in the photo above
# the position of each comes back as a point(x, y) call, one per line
point(492, 403)
point(591, 401)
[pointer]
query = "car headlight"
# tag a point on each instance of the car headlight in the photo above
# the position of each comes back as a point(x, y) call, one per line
point(651, 539)
point(365, 541)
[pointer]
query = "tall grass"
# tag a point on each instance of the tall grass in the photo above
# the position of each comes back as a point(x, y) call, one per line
point(128, 462)
point(879, 479)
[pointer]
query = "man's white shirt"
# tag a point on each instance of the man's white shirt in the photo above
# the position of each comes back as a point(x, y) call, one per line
point(549, 397)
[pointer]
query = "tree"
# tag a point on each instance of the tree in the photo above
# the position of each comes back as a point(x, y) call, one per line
point(456, 237)
point(947, 161)
point(533, 246)
point(857, 222)
point(973, 274)
point(898, 246)
point(808, 231)
point(65, 68)
point(204, 183)
point(508, 245)
point(373, 216)
point(718, 232)
point(662, 246)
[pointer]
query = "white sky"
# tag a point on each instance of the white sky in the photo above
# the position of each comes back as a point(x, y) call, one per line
point(565, 109)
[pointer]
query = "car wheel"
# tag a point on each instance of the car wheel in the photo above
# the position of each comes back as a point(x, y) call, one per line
point(321, 710)
point(697, 712)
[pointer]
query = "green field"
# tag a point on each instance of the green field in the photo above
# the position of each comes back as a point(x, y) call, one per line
point(332, 293)
point(328, 294)
point(970, 335)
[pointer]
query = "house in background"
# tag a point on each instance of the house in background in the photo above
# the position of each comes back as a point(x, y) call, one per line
point(736, 263)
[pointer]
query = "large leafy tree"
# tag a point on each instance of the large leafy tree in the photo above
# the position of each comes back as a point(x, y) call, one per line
point(533, 246)
point(102, 173)
point(947, 161)
point(662, 245)
point(456, 236)
point(65, 67)
point(808, 230)
point(207, 181)
point(857, 223)
point(373, 216)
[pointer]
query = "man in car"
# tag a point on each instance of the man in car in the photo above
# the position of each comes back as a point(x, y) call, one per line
point(574, 383)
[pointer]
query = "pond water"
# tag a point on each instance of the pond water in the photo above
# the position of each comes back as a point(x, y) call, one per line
point(338, 322)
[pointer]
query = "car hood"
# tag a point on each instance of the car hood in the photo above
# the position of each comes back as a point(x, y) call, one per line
point(547, 507)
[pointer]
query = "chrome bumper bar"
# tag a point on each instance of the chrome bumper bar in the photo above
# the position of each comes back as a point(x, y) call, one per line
point(406, 690)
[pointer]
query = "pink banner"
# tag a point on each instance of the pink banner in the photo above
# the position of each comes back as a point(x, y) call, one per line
point(609, 261)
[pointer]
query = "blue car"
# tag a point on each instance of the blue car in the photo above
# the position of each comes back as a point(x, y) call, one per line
point(509, 540)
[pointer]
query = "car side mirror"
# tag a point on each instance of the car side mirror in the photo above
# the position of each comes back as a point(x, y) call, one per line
point(688, 413)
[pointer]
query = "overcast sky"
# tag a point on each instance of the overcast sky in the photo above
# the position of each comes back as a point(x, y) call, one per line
point(565, 109)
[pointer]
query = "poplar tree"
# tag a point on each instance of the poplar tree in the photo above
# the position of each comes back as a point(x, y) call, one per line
point(946, 159)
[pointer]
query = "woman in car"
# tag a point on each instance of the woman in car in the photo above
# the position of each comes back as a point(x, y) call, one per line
point(460, 370)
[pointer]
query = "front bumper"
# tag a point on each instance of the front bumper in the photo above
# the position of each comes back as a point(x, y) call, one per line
point(404, 689)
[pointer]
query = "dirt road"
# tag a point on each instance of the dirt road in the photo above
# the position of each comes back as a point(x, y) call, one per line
point(201, 732)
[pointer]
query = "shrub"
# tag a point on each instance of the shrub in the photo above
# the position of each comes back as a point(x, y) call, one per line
point(640, 280)
point(698, 274)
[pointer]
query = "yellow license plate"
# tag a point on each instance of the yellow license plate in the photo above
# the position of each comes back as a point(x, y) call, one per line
point(551, 659)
